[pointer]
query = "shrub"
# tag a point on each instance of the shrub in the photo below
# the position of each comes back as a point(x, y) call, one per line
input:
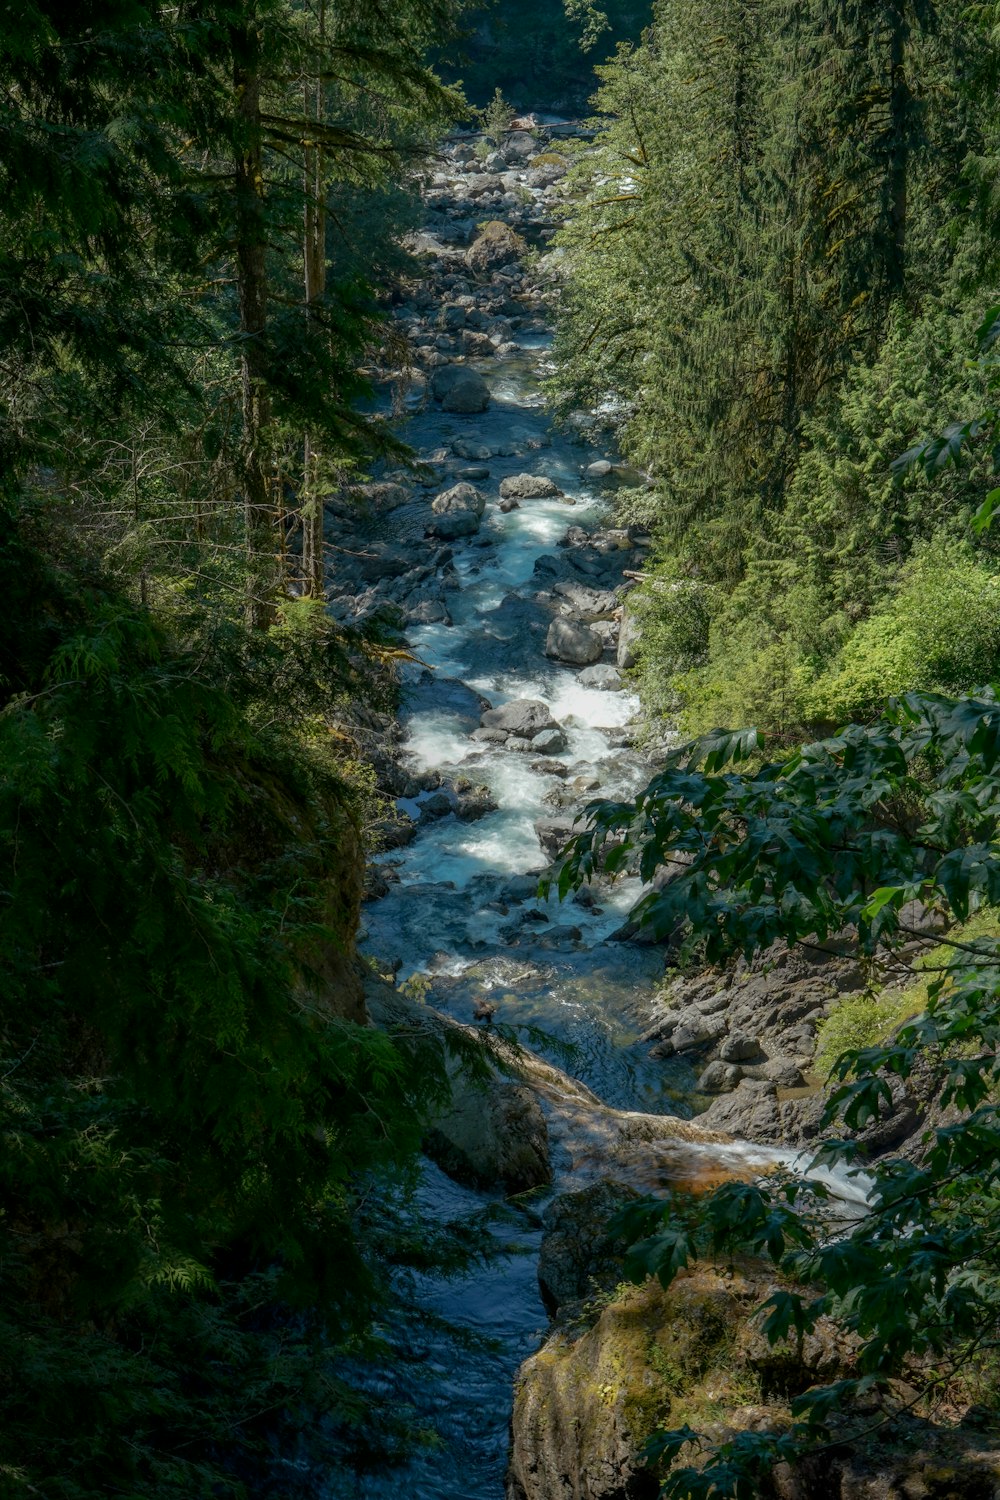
point(939, 631)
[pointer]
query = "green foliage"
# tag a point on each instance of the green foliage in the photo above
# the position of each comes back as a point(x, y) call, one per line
point(939, 630)
point(190, 1124)
point(768, 267)
point(194, 1129)
point(540, 52)
point(496, 118)
point(843, 833)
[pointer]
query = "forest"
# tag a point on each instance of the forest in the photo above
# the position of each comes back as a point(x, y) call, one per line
point(500, 750)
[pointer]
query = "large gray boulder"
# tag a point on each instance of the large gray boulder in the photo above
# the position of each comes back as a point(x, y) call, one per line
point(460, 390)
point(454, 524)
point(605, 678)
point(460, 497)
point(529, 487)
point(574, 643)
point(579, 1255)
point(525, 717)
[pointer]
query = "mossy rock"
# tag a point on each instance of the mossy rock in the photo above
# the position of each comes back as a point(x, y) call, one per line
point(583, 1408)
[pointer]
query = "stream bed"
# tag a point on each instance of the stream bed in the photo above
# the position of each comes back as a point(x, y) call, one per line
point(481, 812)
point(461, 916)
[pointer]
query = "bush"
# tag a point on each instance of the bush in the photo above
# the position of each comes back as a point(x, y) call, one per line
point(940, 631)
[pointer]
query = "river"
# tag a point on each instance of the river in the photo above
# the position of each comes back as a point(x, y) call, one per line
point(461, 918)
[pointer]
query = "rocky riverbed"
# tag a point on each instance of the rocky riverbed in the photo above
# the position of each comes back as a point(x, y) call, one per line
point(500, 560)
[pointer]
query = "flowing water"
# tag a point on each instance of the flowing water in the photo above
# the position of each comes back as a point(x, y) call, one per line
point(463, 914)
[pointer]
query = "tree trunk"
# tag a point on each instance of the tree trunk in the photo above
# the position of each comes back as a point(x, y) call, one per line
point(899, 148)
point(314, 262)
point(251, 278)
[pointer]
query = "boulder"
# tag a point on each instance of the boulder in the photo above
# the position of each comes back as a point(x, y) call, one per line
point(460, 497)
point(466, 448)
point(586, 603)
point(579, 1255)
point(454, 524)
point(599, 470)
point(496, 245)
point(525, 717)
point(432, 611)
point(606, 679)
point(472, 801)
point(751, 1112)
point(460, 390)
point(553, 834)
point(492, 1134)
point(719, 1078)
point(381, 495)
point(739, 1046)
point(628, 639)
point(529, 487)
point(549, 742)
point(571, 642)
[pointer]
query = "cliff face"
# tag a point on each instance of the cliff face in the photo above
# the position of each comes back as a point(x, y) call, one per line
point(588, 1401)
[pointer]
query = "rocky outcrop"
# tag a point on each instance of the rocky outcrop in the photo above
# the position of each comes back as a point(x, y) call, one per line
point(585, 1404)
point(494, 1133)
point(580, 1256)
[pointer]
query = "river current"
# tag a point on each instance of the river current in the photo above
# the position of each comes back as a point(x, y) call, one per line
point(462, 923)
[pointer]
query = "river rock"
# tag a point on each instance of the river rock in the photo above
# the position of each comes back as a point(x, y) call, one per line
point(580, 1255)
point(496, 245)
point(472, 801)
point(571, 642)
point(605, 678)
point(492, 1135)
point(740, 1046)
point(525, 718)
point(751, 1112)
point(460, 390)
point(529, 487)
point(553, 834)
point(431, 611)
point(460, 497)
point(587, 603)
point(720, 1078)
point(381, 495)
point(454, 524)
point(628, 639)
point(599, 470)
point(549, 742)
point(476, 452)
point(508, 503)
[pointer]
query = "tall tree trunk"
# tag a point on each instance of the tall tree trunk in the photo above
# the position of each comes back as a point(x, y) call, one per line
point(899, 147)
point(314, 262)
point(251, 278)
